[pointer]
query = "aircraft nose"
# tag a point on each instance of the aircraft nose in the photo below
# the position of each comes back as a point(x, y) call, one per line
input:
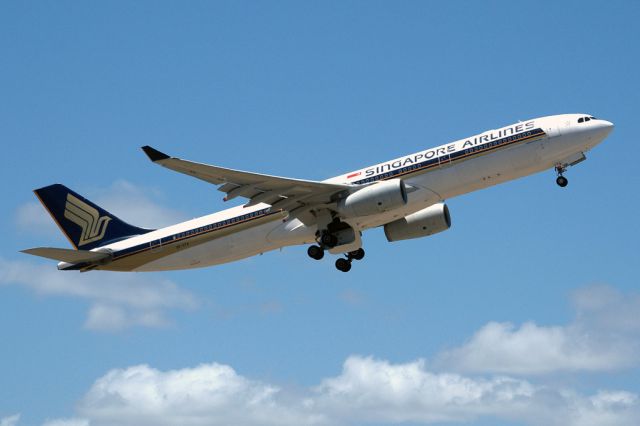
point(599, 130)
point(606, 126)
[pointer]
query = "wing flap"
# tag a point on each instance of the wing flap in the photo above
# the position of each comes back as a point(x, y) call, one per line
point(67, 255)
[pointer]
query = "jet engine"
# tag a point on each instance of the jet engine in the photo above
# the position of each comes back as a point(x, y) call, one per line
point(377, 198)
point(422, 223)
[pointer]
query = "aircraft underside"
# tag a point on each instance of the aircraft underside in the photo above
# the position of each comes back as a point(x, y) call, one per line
point(406, 196)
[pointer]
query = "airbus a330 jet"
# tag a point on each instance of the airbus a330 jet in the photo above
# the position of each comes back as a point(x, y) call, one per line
point(406, 196)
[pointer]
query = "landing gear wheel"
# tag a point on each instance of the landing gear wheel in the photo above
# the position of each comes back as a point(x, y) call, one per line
point(315, 252)
point(328, 240)
point(561, 180)
point(356, 254)
point(343, 265)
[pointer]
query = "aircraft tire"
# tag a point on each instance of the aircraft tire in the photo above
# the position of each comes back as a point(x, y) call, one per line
point(357, 254)
point(328, 239)
point(315, 252)
point(562, 181)
point(343, 265)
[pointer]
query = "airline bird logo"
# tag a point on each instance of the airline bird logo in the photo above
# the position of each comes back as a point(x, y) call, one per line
point(86, 217)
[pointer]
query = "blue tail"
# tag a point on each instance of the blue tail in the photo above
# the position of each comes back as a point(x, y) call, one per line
point(85, 224)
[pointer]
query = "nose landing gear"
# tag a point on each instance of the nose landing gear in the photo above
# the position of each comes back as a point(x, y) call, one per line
point(561, 180)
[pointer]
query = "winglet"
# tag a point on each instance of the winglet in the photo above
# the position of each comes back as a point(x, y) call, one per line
point(153, 154)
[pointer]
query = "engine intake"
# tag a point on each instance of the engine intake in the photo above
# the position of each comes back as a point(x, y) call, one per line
point(422, 223)
point(373, 199)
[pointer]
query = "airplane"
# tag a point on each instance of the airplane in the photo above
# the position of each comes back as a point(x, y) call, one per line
point(406, 196)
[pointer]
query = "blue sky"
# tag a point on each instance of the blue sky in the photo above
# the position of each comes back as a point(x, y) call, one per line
point(524, 312)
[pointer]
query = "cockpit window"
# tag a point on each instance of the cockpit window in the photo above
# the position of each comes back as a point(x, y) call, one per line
point(587, 118)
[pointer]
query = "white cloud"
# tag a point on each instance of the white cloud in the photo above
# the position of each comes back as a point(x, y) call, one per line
point(532, 349)
point(67, 422)
point(604, 408)
point(107, 317)
point(370, 390)
point(137, 205)
point(119, 300)
point(208, 394)
point(366, 391)
point(604, 308)
point(605, 335)
point(380, 391)
point(34, 218)
point(10, 420)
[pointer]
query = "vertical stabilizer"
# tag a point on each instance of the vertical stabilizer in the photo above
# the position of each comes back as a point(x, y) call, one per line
point(85, 224)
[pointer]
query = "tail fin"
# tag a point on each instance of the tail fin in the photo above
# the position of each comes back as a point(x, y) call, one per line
point(85, 224)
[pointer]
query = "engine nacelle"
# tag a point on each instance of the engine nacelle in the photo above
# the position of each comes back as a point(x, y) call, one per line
point(373, 199)
point(422, 223)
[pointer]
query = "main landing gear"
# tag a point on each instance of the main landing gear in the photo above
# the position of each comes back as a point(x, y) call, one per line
point(342, 264)
point(328, 240)
point(325, 240)
point(315, 252)
point(337, 234)
point(561, 180)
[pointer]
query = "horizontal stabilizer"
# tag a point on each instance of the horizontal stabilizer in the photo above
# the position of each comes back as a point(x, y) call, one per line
point(67, 255)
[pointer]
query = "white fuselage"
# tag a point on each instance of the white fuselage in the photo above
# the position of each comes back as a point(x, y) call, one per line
point(433, 175)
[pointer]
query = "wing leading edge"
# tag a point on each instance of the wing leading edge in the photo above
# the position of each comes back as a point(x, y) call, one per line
point(279, 192)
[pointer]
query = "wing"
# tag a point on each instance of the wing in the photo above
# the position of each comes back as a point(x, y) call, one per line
point(281, 193)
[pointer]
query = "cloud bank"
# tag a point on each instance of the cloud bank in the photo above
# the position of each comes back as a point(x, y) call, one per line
point(367, 390)
point(481, 380)
point(10, 420)
point(604, 336)
point(118, 300)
